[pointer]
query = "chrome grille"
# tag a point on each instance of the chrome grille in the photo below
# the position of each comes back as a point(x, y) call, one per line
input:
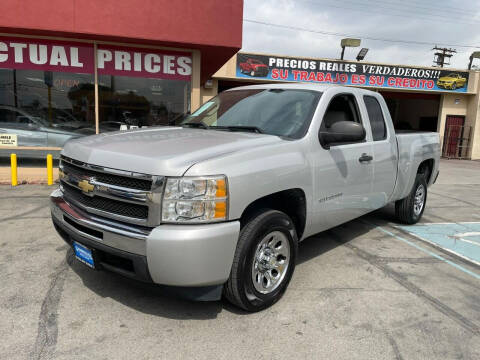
point(132, 183)
point(116, 194)
point(72, 194)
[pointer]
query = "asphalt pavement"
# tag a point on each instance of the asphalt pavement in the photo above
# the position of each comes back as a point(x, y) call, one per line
point(364, 290)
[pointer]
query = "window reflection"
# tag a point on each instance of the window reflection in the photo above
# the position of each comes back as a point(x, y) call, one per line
point(138, 102)
point(46, 108)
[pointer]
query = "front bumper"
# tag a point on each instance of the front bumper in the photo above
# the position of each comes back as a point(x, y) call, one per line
point(445, 85)
point(260, 72)
point(175, 255)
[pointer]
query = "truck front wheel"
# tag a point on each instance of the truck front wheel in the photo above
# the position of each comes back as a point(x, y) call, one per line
point(410, 210)
point(264, 261)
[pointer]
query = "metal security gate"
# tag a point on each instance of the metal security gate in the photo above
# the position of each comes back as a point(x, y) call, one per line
point(456, 140)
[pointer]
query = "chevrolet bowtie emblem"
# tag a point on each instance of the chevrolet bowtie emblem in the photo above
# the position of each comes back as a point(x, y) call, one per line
point(86, 186)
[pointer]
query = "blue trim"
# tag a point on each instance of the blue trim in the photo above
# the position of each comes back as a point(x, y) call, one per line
point(459, 267)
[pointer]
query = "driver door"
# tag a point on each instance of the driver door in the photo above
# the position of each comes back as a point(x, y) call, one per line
point(343, 175)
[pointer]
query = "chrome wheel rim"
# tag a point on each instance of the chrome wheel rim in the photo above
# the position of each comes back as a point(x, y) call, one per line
point(419, 200)
point(271, 261)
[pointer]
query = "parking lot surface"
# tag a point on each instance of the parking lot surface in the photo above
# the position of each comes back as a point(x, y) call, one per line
point(365, 290)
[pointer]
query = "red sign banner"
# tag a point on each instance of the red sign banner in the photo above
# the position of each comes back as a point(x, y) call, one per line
point(60, 56)
point(149, 63)
point(46, 55)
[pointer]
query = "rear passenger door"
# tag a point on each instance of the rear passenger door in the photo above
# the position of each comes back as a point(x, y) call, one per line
point(384, 150)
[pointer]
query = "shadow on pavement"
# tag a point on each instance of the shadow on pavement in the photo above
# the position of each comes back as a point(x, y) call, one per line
point(320, 243)
point(147, 298)
point(160, 301)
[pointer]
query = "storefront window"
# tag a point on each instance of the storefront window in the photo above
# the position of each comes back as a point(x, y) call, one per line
point(142, 87)
point(135, 101)
point(47, 89)
point(45, 108)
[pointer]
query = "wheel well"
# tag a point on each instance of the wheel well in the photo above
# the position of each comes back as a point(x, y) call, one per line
point(292, 202)
point(426, 168)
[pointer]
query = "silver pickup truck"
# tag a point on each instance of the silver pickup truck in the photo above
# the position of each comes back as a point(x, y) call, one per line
point(218, 205)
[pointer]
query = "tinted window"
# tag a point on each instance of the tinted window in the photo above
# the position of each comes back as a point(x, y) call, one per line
point(342, 107)
point(279, 112)
point(375, 114)
point(7, 116)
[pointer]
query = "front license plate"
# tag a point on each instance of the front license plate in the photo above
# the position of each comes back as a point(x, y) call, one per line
point(84, 254)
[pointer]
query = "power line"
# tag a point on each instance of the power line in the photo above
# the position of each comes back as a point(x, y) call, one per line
point(358, 36)
point(406, 4)
point(399, 13)
point(446, 8)
point(442, 56)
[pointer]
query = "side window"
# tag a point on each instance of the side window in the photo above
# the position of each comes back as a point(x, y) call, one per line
point(342, 107)
point(8, 116)
point(375, 114)
point(3, 116)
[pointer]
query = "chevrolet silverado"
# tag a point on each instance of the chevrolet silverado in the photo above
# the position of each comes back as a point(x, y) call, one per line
point(217, 206)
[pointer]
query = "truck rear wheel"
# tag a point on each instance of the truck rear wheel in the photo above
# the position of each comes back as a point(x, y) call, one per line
point(264, 261)
point(410, 209)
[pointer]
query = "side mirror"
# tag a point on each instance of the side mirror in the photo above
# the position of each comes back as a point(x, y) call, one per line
point(341, 132)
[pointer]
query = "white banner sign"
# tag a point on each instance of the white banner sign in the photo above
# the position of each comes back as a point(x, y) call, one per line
point(8, 140)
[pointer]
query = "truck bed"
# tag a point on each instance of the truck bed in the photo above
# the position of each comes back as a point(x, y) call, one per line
point(414, 147)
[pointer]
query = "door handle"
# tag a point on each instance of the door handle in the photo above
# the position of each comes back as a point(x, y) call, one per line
point(365, 158)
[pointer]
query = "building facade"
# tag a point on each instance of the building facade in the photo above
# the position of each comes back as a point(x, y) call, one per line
point(419, 98)
point(74, 68)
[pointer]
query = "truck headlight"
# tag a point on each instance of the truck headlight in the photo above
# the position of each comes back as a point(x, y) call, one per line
point(195, 199)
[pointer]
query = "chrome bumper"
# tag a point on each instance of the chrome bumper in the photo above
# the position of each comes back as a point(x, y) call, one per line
point(105, 232)
point(176, 255)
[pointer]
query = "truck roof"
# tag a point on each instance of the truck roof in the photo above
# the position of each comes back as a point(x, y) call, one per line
point(300, 86)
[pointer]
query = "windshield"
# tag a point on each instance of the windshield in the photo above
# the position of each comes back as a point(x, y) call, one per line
point(279, 112)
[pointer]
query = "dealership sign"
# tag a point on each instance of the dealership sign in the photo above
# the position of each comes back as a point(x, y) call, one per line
point(60, 56)
point(46, 55)
point(348, 73)
point(126, 61)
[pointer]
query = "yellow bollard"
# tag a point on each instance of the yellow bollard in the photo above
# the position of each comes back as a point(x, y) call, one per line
point(13, 168)
point(49, 169)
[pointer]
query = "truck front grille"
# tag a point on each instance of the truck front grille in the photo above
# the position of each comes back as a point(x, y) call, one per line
point(72, 194)
point(132, 183)
point(116, 194)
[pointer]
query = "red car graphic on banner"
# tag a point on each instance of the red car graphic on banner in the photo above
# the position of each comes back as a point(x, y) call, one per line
point(253, 67)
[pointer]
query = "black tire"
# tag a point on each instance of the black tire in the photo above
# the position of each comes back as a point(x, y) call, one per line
point(405, 208)
point(240, 289)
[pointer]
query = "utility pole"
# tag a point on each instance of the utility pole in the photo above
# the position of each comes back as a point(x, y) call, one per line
point(442, 56)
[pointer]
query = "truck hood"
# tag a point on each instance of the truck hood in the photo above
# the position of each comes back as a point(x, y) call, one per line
point(168, 151)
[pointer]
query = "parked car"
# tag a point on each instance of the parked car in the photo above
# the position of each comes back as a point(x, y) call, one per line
point(253, 67)
point(219, 205)
point(33, 130)
point(451, 81)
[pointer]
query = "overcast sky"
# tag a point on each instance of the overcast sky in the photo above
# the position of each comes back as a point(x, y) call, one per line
point(433, 21)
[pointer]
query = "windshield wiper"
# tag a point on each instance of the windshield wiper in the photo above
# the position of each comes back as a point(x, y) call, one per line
point(200, 124)
point(239, 128)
